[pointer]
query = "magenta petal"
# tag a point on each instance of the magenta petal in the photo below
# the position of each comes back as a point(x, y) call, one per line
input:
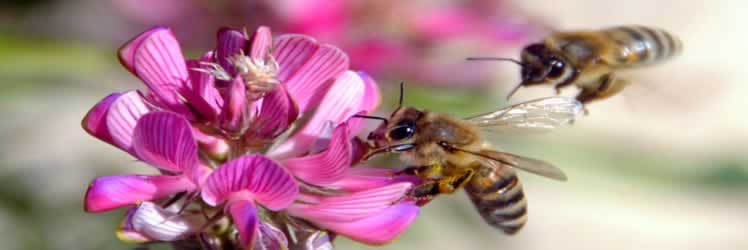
point(110, 192)
point(328, 166)
point(378, 229)
point(351, 207)
point(230, 43)
point(158, 61)
point(127, 52)
point(244, 214)
point(365, 178)
point(254, 176)
point(122, 117)
point(277, 113)
point(165, 141)
point(234, 110)
point(306, 67)
point(341, 102)
point(372, 96)
point(262, 39)
point(201, 93)
point(95, 120)
point(148, 222)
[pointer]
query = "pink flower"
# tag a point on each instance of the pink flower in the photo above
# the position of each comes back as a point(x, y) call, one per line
point(213, 127)
point(164, 140)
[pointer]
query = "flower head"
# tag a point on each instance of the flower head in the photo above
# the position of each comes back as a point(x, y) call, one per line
point(214, 128)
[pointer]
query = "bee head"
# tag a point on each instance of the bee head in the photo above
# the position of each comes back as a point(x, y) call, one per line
point(541, 65)
point(400, 128)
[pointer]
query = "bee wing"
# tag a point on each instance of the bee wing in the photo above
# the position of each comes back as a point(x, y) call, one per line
point(534, 166)
point(540, 115)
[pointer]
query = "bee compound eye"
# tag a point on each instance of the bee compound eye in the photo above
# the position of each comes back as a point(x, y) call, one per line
point(402, 131)
point(557, 69)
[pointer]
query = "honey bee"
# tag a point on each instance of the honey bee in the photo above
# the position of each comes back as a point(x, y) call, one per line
point(449, 153)
point(590, 59)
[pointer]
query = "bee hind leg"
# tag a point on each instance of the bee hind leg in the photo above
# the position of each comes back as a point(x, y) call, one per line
point(608, 86)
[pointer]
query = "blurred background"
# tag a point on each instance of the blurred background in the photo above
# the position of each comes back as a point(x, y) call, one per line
point(661, 166)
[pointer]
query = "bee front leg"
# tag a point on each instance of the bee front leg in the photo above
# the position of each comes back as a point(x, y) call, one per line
point(425, 191)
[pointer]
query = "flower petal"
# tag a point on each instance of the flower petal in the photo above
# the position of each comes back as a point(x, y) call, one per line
point(95, 120)
point(328, 166)
point(158, 61)
point(234, 110)
point(122, 117)
point(201, 93)
point(165, 141)
point(351, 207)
point(378, 229)
point(244, 214)
point(367, 178)
point(230, 42)
point(270, 238)
point(371, 100)
point(264, 180)
point(372, 95)
point(277, 113)
point(306, 67)
point(341, 102)
point(110, 192)
point(215, 147)
point(262, 39)
point(126, 53)
point(148, 222)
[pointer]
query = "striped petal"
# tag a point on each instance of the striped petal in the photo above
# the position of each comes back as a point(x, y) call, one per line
point(351, 207)
point(201, 93)
point(378, 229)
point(230, 42)
point(244, 215)
point(235, 107)
point(328, 166)
point(122, 117)
point(277, 113)
point(126, 53)
point(255, 176)
point(110, 192)
point(165, 141)
point(261, 41)
point(306, 67)
point(343, 100)
point(158, 61)
point(372, 95)
point(149, 222)
point(95, 120)
point(367, 178)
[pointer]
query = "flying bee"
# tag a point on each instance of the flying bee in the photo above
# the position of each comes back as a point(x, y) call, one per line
point(449, 153)
point(590, 59)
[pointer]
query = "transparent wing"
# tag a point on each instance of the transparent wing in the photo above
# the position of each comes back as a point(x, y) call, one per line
point(538, 115)
point(534, 166)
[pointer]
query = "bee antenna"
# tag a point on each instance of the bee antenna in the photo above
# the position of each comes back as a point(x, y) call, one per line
point(402, 92)
point(495, 59)
point(372, 117)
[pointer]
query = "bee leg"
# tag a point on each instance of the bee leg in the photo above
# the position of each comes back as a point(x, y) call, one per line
point(559, 86)
point(425, 191)
point(608, 86)
point(450, 184)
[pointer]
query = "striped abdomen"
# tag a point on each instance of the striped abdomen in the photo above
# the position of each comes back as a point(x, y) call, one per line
point(498, 196)
point(640, 45)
